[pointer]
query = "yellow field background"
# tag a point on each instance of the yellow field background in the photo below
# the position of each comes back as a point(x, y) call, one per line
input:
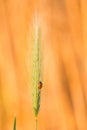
point(64, 39)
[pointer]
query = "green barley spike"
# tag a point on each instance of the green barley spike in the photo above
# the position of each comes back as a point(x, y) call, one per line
point(14, 128)
point(36, 71)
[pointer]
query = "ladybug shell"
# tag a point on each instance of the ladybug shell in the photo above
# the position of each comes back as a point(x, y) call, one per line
point(40, 85)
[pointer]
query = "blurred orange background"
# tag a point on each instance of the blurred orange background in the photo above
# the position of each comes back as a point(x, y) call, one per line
point(64, 39)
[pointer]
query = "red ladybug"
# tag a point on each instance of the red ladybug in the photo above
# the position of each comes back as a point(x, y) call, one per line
point(40, 85)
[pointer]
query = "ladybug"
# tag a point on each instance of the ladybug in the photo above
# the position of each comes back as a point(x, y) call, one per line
point(40, 85)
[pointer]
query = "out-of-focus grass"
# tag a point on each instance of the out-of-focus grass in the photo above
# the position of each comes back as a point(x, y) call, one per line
point(14, 128)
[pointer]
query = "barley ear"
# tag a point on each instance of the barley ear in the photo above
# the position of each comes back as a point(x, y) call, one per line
point(36, 71)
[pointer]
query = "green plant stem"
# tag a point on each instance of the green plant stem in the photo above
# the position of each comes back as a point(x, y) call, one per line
point(36, 123)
